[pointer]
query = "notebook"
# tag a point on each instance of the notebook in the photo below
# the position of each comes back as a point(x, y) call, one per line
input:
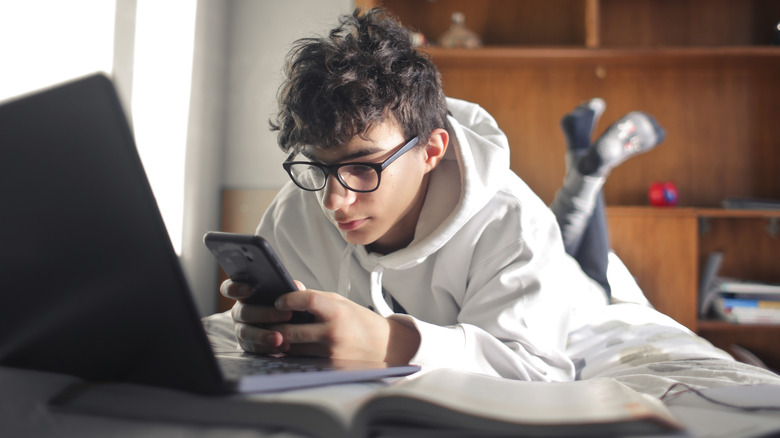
point(89, 282)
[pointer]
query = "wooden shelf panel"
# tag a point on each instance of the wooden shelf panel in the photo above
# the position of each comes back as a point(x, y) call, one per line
point(497, 56)
point(659, 247)
point(736, 213)
point(715, 325)
point(655, 23)
point(646, 211)
point(722, 213)
point(596, 23)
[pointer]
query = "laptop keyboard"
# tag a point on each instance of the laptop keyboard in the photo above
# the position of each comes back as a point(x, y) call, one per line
point(237, 366)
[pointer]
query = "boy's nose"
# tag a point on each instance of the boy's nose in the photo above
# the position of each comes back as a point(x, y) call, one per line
point(335, 195)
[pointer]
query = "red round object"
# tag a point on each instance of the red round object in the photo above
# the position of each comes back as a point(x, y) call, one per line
point(662, 194)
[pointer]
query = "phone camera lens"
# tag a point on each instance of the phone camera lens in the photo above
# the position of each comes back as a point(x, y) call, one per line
point(247, 253)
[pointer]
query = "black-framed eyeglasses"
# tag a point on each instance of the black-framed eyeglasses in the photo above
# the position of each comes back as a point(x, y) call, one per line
point(357, 177)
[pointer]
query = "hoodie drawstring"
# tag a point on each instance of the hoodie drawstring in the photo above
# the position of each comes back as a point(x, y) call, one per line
point(346, 260)
point(377, 297)
point(380, 305)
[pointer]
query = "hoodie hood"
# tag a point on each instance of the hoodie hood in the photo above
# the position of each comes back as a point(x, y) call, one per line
point(476, 161)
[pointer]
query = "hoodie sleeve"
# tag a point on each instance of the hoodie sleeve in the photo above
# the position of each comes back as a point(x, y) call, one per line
point(514, 313)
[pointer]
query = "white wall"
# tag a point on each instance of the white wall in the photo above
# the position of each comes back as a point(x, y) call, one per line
point(240, 47)
point(205, 147)
point(261, 34)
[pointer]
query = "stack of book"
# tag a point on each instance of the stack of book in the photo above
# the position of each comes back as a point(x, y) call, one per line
point(737, 301)
point(747, 302)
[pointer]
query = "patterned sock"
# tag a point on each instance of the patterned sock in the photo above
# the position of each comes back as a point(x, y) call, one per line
point(634, 133)
point(578, 125)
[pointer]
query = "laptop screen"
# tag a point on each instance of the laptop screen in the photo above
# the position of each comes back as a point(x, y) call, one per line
point(90, 283)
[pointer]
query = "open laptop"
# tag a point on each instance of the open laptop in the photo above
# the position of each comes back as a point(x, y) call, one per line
point(89, 282)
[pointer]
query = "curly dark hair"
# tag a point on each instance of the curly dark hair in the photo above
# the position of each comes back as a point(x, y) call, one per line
point(367, 71)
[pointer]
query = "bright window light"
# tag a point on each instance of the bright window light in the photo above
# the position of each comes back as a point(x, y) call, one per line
point(164, 38)
point(44, 42)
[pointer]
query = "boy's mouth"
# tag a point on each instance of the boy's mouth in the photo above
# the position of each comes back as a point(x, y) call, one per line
point(350, 225)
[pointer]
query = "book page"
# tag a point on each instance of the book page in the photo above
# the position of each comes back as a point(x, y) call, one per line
point(581, 402)
point(342, 401)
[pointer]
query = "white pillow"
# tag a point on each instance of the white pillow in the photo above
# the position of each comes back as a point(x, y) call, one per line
point(623, 285)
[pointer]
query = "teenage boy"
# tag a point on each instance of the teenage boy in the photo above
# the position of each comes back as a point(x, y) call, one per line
point(409, 236)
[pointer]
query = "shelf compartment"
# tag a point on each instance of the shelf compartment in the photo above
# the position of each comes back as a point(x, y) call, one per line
point(750, 251)
point(703, 23)
point(497, 22)
point(717, 106)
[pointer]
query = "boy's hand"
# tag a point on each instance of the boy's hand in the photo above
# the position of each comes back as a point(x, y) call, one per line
point(249, 318)
point(342, 328)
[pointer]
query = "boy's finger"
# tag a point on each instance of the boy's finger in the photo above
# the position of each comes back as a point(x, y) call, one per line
point(233, 290)
point(252, 314)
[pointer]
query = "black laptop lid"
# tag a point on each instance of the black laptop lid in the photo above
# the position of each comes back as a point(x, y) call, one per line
point(89, 282)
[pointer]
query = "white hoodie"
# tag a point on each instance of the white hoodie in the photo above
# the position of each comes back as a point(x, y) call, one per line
point(485, 281)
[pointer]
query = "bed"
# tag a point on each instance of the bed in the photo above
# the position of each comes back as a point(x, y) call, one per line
point(628, 341)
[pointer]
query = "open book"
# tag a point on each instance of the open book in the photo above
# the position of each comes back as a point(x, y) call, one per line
point(438, 403)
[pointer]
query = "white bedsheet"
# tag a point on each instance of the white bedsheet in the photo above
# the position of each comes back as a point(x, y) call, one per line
point(649, 351)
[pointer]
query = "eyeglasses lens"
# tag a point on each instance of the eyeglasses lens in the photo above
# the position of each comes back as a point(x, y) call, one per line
point(360, 178)
point(308, 177)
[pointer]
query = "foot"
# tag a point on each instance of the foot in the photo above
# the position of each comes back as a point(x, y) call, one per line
point(633, 134)
point(578, 125)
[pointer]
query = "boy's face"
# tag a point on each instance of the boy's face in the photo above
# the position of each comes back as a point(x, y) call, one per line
point(384, 219)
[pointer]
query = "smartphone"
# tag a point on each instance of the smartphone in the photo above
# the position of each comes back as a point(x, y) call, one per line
point(249, 259)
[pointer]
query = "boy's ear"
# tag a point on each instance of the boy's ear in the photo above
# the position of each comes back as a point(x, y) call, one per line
point(436, 147)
